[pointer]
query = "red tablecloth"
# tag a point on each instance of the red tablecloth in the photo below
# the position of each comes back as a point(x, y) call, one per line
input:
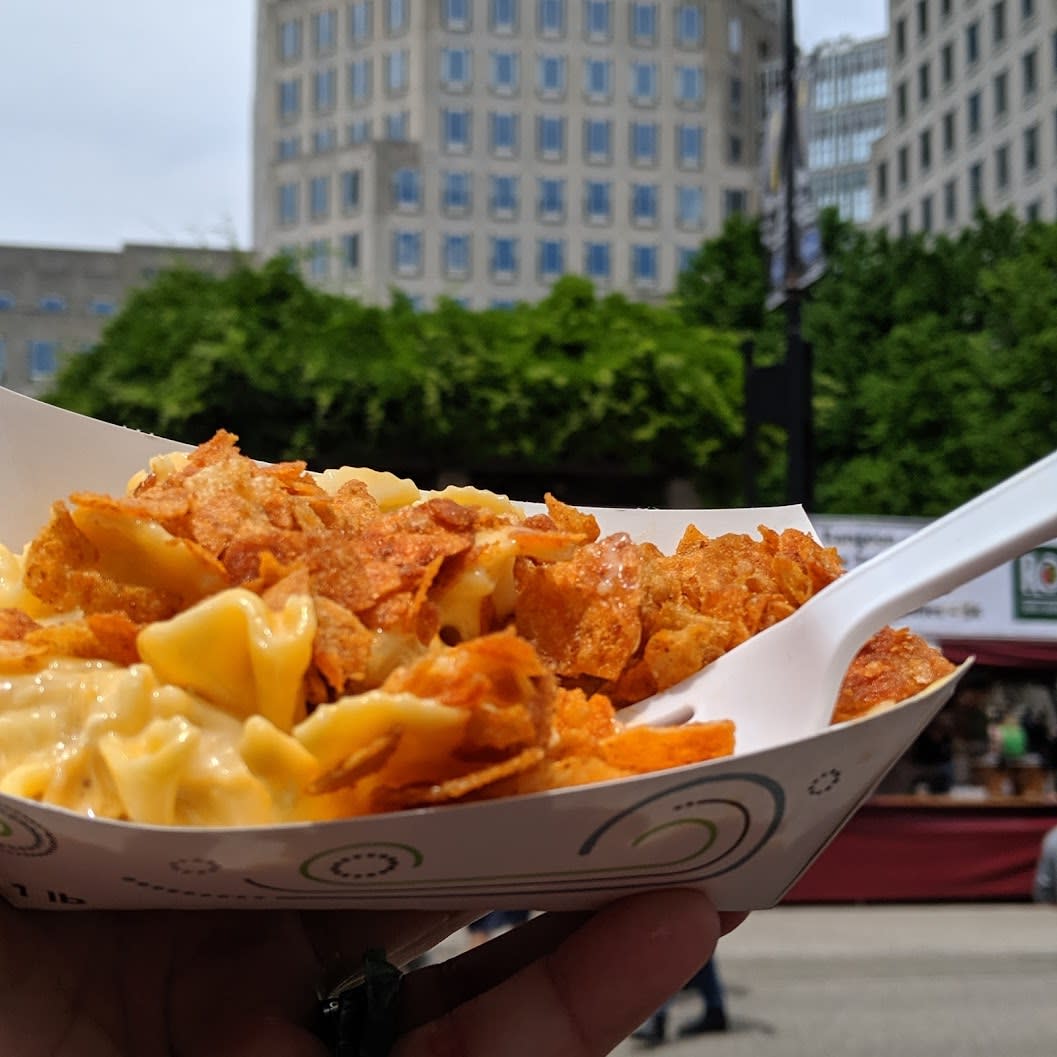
point(930, 848)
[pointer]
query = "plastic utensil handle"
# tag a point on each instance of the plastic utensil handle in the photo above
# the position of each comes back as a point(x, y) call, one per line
point(997, 526)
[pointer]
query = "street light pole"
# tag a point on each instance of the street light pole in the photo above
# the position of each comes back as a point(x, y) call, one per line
point(800, 471)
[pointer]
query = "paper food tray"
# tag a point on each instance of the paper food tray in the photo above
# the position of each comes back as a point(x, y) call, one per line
point(742, 828)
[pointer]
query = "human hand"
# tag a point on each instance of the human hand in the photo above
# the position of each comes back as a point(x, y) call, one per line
point(241, 983)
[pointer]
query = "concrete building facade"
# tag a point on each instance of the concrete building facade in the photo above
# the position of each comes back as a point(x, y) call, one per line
point(478, 149)
point(55, 303)
point(972, 116)
point(844, 91)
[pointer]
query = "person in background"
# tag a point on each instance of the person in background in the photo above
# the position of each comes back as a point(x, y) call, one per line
point(713, 1016)
point(1045, 887)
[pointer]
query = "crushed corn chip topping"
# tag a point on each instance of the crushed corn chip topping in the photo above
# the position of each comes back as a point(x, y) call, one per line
point(233, 643)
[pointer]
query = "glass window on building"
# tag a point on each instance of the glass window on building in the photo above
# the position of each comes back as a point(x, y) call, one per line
point(288, 204)
point(503, 197)
point(644, 207)
point(398, 126)
point(925, 149)
point(690, 141)
point(456, 191)
point(503, 133)
point(972, 43)
point(455, 130)
point(324, 140)
point(926, 214)
point(690, 87)
point(551, 258)
point(598, 207)
point(644, 83)
point(734, 202)
point(1031, 150)
point(924, 83)
point(734, 36)
point(325, 31)
point(290, 99)
point(973, 113)
point(359, 74)
point(598, 19)
point(359, 131)
point(690, 207)
point(550, 76)
point(397, 65)
point(598, 79)
point(644, 22)
point(923, 18)
point(998, 23)
point(550, 136)
point(350, 252)
point(102, 306)
point(396, 16)
point(324, 90)
point(947, 65)
point(504, 73)
point(1029, 74)
point(598, 260)
point(503, 15)
point(551, 202)
point(950, 201)
point(504, 262)
point(456, 68)
point(689, 25)
point(644, 269)
point(1001, 94)
point(455, 255)
point(319, 197)
point(319, 259)
point(976, 184)
point(684, 258)
point(350, 190)
point(43, 357)
point(882, 180)
point(360, 28)
point(598, 140)
point(407, 189)
point(407, 252)
point(551, 17)
point(456, 15)
point(645, 137)
point(7, 300)
point(1002, 167)
point(290, 40)
point(950, 120)
point(52, 304)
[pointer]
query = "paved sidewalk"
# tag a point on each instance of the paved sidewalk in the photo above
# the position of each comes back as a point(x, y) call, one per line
point(913, 981)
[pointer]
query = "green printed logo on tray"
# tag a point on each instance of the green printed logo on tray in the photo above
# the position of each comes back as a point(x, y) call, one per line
point(1035, 585)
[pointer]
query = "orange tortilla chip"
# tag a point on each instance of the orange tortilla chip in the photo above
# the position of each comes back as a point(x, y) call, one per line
point(641, 749)
point(408, 796)
point(369, 759)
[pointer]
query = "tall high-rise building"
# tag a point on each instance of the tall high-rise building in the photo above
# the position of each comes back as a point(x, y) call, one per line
point(972, 118)
point(843, 87)
point(479, 149)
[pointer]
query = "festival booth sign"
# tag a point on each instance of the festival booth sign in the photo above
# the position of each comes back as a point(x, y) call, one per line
point(742, 828)
point(1007, 617)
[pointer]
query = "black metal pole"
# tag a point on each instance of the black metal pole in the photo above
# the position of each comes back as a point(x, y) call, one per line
point(798, 359)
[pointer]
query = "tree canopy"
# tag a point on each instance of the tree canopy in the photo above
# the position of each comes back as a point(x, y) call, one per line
point(935, 369)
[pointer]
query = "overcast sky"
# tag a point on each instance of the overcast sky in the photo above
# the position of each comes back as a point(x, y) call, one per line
point(129, 120)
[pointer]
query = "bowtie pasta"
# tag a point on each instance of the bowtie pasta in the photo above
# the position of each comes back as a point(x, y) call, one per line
point(230, 643)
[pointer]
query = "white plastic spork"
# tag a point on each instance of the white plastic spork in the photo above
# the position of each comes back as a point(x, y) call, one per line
point(782, 684)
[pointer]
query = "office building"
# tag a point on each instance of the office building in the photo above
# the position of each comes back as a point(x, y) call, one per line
point(479, 149)
point(972, 118)
point(55, 303)
point(843, 88)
